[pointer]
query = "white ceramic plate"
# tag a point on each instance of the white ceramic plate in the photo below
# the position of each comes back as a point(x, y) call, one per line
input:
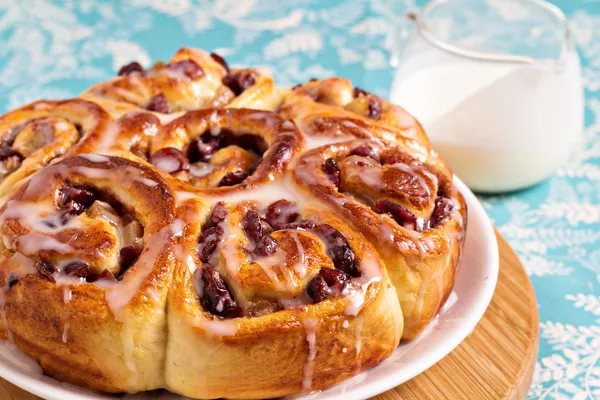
point(475, 283)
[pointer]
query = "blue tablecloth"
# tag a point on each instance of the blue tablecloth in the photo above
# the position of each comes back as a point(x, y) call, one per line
point(54, 49)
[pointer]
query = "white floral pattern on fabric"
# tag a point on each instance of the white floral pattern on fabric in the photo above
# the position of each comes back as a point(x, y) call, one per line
point(56, 49)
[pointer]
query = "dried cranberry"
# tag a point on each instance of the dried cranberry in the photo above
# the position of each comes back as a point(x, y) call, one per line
point(78, 269)
point(170, 160)
point(220, 60)
point(233, 178)
point(359, 92)
point(281, 213)
point(365, 151)
point(207, 242)
point(105, 275)
point(218, 214)
point(205, 146)
point(374, 108)
point(189, 68)
point(254, 166)
point(332, 170)
point(75, 200)
point(239, 81)
point(45, 268)
point(128, 255)
point(215, 295)
point(400, 214)
point(443, 207)
point(338, 249)
point(131, 69)
point(159, 104)
point(12, 280)
point(254, 227)
point(7, 151)
point(266, 246)
point(328, 282)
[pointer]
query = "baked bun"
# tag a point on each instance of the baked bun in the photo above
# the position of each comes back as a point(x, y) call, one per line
point(192, 79)
point(191, 227)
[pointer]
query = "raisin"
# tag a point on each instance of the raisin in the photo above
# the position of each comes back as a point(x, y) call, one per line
point(266, 246)
point(374, 108)
point(45, 268)
point(218, 214)
point(328, 282)
point(338, 249)
point(189, 68)
point(232, 178)
point(239, 81)
point(127, 256)
point(216, 296)
point(332, 170)
point(400, 214)
point(359, 92)
point(207, 242)
point(77, 269)
point(133, 68)
point(75, 201)
point(12, 280)
point(159, 104)
point(255, 227)
point(281, 213)
point(220, 60)
point(170, 160)
point(365, 151)
point(443, 208)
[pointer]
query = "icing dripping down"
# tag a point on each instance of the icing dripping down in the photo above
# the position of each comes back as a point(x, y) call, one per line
point(310, 325)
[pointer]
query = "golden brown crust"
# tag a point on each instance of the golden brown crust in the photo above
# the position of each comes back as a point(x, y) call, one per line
point(268, 356)
point(103, 335)
point(422, 263)
point(213, 252)
point(42, 131)
point(191, 80)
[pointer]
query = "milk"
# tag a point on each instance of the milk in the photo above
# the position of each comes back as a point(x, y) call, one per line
point(500, 126)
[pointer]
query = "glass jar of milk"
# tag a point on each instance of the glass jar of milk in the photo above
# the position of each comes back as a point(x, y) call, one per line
point(497, 86)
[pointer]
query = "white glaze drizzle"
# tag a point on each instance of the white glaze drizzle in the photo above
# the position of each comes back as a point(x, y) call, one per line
point(310, 325)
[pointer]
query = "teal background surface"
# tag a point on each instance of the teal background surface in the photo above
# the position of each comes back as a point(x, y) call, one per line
point(54, 49)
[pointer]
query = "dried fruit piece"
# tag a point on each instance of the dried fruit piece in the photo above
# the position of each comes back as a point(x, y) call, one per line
point(189, 68)
point(45, 268)
point(220, 60)
point(215, 295)
point(128, 255)
point(252, 225)
point(332, 170)
point(218, 214)
point(239, 81)
point(400, 214)
point(327, 283)
point(374, 108)
point(338, 249)
point(170, 160)
point(77, 269)
point(266, 246)
point(159, 104)
point(133, 68)
point(75, 200)
point(365, 150)
point(207, 242)
point(232, 178)
point(205, 146)
point(281, 213)
point(443, 207)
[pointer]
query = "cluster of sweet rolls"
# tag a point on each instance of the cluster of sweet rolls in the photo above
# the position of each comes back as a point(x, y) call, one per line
point(194, 228)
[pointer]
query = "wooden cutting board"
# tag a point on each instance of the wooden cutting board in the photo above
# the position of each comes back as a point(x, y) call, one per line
point(495, 362)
